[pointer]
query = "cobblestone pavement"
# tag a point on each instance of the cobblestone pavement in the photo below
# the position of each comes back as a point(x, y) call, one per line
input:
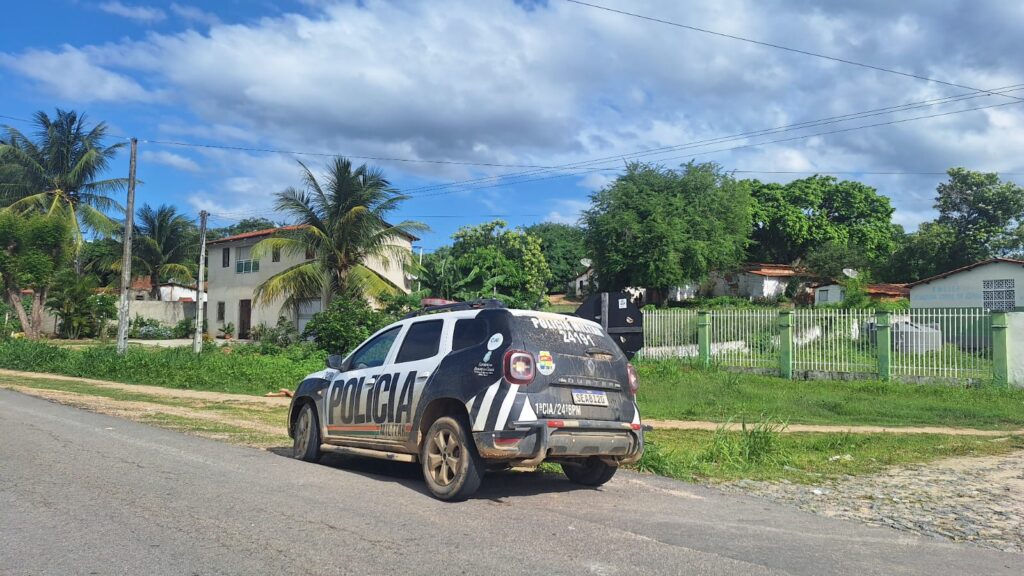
point(979, 500)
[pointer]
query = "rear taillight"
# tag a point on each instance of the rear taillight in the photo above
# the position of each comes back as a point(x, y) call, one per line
point(634, 382)
point(519, 367)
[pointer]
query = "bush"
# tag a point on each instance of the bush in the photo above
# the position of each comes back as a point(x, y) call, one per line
point(148, 329)
point(186, 328)
point(225, 369)
point(283, 335)
point(345, 324)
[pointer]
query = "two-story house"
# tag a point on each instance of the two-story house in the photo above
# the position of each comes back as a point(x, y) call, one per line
point(234, 275)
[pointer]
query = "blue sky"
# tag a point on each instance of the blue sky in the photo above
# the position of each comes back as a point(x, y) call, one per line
point(476, 85)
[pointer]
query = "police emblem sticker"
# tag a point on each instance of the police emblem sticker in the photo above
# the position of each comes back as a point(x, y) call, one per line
point(545, 363)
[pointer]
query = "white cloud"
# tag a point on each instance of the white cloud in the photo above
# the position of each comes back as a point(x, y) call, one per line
point(70, 74)
point(194, 14)
point(567, 211)
point(170, 159)
point(559, 83)
point(139, 13)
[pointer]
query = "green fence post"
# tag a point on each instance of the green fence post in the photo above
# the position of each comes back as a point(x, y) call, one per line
point(1000, 359)
point(786, 343)
point(704, 338)
point(883, 338)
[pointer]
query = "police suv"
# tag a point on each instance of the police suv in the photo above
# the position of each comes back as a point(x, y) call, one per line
point(465, 387)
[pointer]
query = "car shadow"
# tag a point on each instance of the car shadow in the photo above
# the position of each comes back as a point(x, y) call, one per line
point(497, 486)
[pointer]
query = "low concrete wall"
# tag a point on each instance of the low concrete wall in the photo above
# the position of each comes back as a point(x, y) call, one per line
point(1015, 348)
point(168, 313)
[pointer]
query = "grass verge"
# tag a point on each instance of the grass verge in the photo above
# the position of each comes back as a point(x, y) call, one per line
point(803, 457)
point(676, 390)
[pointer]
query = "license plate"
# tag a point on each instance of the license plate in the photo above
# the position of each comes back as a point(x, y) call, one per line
point(590, 397)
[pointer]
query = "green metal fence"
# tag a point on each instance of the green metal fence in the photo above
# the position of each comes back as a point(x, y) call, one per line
point(961, 344)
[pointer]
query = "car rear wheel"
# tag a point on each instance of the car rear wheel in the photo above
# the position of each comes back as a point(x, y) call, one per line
point(590, 472)
point(452, 467)
point(307, 435)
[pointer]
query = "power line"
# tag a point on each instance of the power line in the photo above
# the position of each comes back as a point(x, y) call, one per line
point(755, 144)
point(864, 173)
point(777, 46)
point(328, 154)
point(739, 136)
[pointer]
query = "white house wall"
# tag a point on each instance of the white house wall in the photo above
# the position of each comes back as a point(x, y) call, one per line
point(225, 285)
point(964, 289)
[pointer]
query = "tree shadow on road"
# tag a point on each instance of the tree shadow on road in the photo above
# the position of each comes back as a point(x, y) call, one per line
point(499, 486)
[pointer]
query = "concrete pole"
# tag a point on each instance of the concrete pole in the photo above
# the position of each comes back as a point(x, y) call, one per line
point(704, 338)
point(126, 254)
point(883, 338)
point(197, 340)
point(786, 344)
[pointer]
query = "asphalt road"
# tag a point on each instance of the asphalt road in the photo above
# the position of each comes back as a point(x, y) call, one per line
point(83, 493)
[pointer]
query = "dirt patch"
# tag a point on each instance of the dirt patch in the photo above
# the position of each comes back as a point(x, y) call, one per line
point(139, 411)
point(712, 426)
point(155, 390)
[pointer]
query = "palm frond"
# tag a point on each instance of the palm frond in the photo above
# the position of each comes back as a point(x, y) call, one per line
point(305, 280)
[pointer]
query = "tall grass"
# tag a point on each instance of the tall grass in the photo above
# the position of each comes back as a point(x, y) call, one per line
point(751, 445)
point(242, 370)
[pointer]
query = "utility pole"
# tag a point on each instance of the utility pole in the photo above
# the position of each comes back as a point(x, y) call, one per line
point(197, 342)
point(126, 255)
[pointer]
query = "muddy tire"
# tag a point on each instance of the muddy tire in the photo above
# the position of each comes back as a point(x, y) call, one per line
point(452, 467)
point(590, 472)
point(307, 435)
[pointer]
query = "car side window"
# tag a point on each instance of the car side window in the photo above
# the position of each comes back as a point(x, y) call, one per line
point(422, 340)
point(374, 352)
point(468, 332)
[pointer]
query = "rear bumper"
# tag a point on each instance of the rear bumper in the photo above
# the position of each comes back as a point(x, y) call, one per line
point(532, 442)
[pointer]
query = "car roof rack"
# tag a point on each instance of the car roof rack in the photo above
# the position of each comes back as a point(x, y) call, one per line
point(478, 304)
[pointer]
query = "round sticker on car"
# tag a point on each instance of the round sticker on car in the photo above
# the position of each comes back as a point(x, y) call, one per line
point(545, 363)
point(495, 341)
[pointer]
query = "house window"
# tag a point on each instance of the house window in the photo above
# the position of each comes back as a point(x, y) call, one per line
point(275, 255)
point(823, 295)
point(247, 266)
point(998, 294)
point(225, 258)
point(220, 311)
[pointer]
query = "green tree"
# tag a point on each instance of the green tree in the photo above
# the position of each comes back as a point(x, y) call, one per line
point(33, 248)
point(792, 220)
point(81, 310)
point(983, 213)
point(563, 246)
point(60, 172)
point(341, 222)
point(921, 254)
point(657, 228)
point(166, 245)
point(241, 227)
point(828, 260)
point(494, 262)
point(101, 257)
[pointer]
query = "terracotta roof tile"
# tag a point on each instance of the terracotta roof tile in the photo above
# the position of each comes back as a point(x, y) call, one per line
point(965, 268)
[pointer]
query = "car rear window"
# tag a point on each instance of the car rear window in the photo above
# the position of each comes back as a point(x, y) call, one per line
point(421, 341)
point(566, 334)
point(469, 332)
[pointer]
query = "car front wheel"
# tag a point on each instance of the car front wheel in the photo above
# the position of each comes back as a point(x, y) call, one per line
point(452, 467)
point(307, 435)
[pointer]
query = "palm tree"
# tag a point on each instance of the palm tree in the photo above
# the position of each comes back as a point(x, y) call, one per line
point(340, 223)
point(165, 244)
point(60, 170)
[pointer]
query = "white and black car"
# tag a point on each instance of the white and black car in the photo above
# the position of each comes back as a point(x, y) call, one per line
point(467, 387)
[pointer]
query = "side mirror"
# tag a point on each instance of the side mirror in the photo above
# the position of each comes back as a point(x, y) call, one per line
point(336, 362)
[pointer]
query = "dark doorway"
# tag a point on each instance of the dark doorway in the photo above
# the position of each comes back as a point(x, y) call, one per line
point(244, 318)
